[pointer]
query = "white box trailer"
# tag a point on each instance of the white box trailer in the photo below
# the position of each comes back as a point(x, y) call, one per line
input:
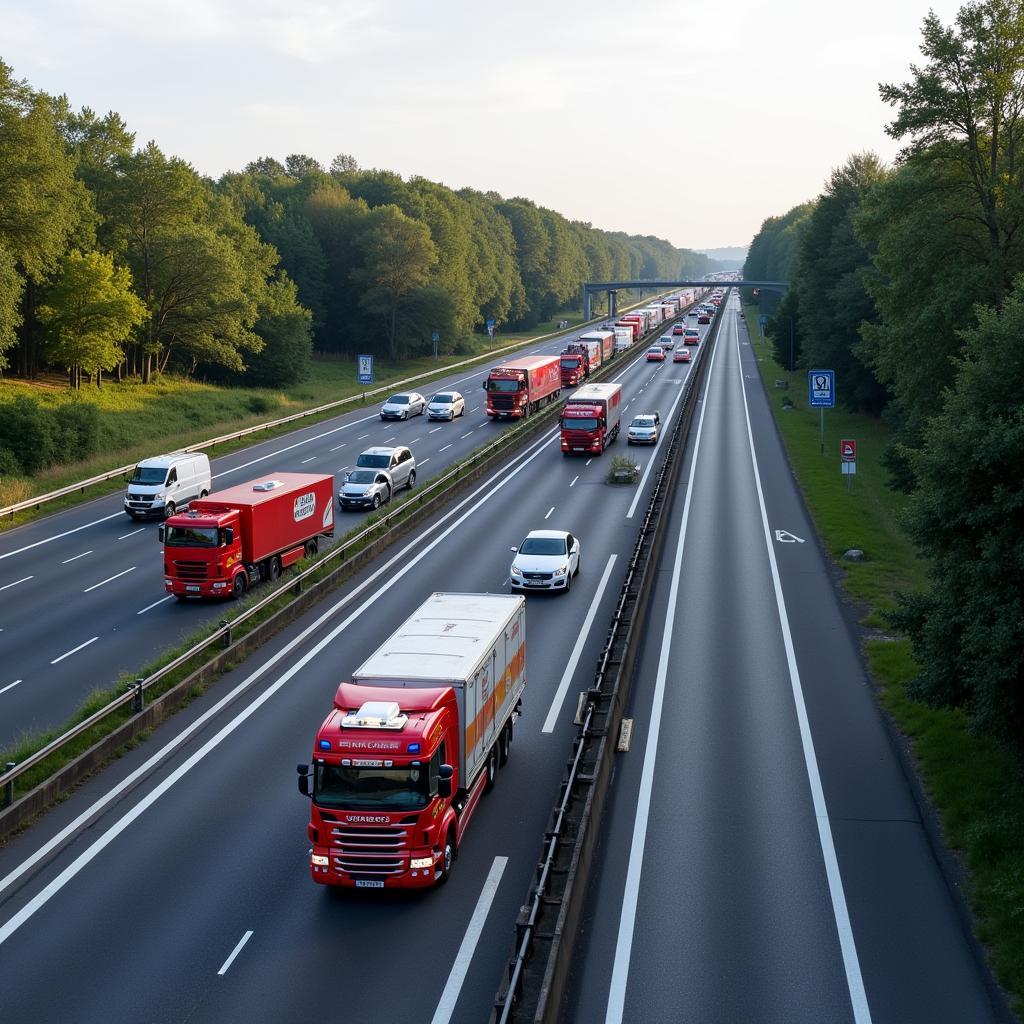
point(473, 643)
point(623, 338)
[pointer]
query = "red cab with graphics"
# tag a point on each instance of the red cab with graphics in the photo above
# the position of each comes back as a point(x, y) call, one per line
point(591, 418)
point(234, 538)
point(414, 741)
point(521, 386)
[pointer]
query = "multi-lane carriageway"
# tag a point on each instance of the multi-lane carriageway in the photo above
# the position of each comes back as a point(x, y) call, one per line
point(762, 860)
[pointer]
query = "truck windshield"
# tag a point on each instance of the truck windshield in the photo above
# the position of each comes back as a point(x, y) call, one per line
point(503, 385)
point(571, 364)
point(149, 475)
point(580, 423)
point(389, 789)
point(191, 537)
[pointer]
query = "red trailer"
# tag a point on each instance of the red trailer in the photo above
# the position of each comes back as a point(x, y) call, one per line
point(521, 386)
point(236, 537)
point(633, 324)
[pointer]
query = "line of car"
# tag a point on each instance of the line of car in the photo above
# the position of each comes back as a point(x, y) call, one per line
point(445, 405)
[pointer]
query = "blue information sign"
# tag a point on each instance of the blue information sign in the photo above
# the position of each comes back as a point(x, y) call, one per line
point(763, 321)
point(490, 322)
point(435, 336)
point(821, 389)
point(365, 369)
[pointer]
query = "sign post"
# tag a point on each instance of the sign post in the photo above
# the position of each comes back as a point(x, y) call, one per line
point(435, 337)
point(491, 324)
point(821, 394)
point(848, 459)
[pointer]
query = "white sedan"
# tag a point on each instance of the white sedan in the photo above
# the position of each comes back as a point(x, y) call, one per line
point(546, 560)
point(402, 406)
point(446, 405)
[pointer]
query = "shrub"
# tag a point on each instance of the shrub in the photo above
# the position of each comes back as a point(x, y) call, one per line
point(260, 404)
point(76, 431)
point(9, 464)
point(28, 433)
point(622, 470)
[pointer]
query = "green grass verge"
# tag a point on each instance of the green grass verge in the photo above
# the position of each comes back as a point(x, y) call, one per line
point(974, 782)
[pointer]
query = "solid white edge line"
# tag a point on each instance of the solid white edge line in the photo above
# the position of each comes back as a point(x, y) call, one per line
point(10, 686)
point(109, 579)
point(847, 944)
point(491, 486)
point(464, 957)
point(57, 536)
point(74, 650)
point(238, 949)
point(154, 604)
point(631, 889)
point(577, 651)
point(24, 579)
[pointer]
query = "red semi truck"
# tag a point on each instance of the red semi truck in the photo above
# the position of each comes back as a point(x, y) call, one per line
point(578, 360)
point(414, 741)
point(591, 418)
point(234, 538)
point(521, 386)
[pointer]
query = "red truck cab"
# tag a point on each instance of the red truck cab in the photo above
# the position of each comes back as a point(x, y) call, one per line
point(521, 386)
point(591, 419)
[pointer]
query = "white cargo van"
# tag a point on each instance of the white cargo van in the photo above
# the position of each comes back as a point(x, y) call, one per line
point(161, 486)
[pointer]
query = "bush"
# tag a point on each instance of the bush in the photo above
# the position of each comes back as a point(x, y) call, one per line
point(622, 470)
point(9, 464)
point(260, 404)
point(28, 433)
point(77, 431)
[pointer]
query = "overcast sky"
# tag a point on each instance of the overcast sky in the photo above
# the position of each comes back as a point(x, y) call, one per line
point(685, 119)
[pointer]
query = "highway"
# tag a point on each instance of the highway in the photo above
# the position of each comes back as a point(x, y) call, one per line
point(81, 592)
point(175, 885)
point(763, 858)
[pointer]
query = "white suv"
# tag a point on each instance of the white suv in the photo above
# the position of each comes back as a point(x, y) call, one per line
point(399, 463)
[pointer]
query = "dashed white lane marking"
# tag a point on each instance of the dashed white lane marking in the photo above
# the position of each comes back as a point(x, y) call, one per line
point(125, 536)
point(108, 580)
point(388, 440)
point(57, 536)
point(362, 437)
point(24, 579)
point(588, 462)
point(310, 459)
point(169, 597)
point(445, 448)
point(464, 436)
point(452, 988)
point(435, 430)
point(550, 510)
point(74, 650)
point(10, 686)
point(74, 558)
point(574, 479)
point(338, 447)
point(423, 462)
point(238, 949)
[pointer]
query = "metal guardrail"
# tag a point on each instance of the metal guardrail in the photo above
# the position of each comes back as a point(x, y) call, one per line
point(42, 499)
point(562, 870)
point(222, 635)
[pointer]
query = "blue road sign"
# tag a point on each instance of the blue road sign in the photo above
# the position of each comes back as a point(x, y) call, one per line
point(490, 322)
point(763, 321)
point(435, 336)
point(821, 389)
point(365, 369)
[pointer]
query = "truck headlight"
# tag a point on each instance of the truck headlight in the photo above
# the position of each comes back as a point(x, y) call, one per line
point(421, 862)
point(318, 860)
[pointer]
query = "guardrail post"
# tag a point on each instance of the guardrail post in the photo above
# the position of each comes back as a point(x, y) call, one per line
point(9, 788)
point(137, 703)
point(226, 626)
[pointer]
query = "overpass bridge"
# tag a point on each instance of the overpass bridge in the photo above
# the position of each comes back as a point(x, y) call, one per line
point(614, 287)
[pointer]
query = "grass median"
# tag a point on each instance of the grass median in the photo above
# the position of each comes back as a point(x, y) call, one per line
point(974, 783)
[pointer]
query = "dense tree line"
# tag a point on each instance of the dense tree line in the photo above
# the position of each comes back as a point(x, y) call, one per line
point(124, 260)
point(909, 280)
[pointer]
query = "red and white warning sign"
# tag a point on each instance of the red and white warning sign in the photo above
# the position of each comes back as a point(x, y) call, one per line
point(848, 450)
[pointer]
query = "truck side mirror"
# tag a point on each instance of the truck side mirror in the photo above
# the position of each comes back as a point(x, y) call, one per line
point(303, 770)
point(160, 530)
point(229, 535)
point(444, 781)
point(485, 385)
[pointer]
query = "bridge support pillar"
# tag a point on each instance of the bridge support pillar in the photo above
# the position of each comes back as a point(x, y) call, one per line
point(613, 303)
point(586, 303)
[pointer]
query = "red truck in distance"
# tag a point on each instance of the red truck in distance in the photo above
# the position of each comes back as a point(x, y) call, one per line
point(606, 339)
point(579, 359)
point(633, 324)
point(236, 537)
point(413, 742)
point(521, 386)
point(591, 419)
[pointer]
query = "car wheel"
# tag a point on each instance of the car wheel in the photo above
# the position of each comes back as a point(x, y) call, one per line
point(568, 583)
point(447, 858)
point(376, 502)
point(412, 479)
point(405, 415)
point(579, 566)
point(132, 515)
point(203, 494)
point(239, 585)
point(169, 510)
point(463, 412)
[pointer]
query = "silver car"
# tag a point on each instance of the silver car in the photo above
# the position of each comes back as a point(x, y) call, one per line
point(398, 462)
point(402, 406)
point(446, 405)
point(643, 429)
point(365, 488)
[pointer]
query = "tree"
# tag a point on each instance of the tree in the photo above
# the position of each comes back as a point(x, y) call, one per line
point(266, 165)
point(344, 163)
point(89, 313)
point(964, 110)
point(298, 165)
point(967, 518)
point(284, 326)
point(398, 256)
point(11, 287)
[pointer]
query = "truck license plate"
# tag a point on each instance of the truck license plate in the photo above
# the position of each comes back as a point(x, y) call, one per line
point(193, 588)
point(369, 883)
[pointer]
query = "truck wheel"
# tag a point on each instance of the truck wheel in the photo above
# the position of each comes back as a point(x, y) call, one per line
point(447, 858)
point(412, 479)
point(239, 585)
point(491, 769)
point(169, 510)
point(274, 569)
point(312, 547)
point(505, 744)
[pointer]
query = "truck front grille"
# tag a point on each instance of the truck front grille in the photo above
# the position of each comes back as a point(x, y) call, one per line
point(191, 570)
point(503, 401)
point(370, 852)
